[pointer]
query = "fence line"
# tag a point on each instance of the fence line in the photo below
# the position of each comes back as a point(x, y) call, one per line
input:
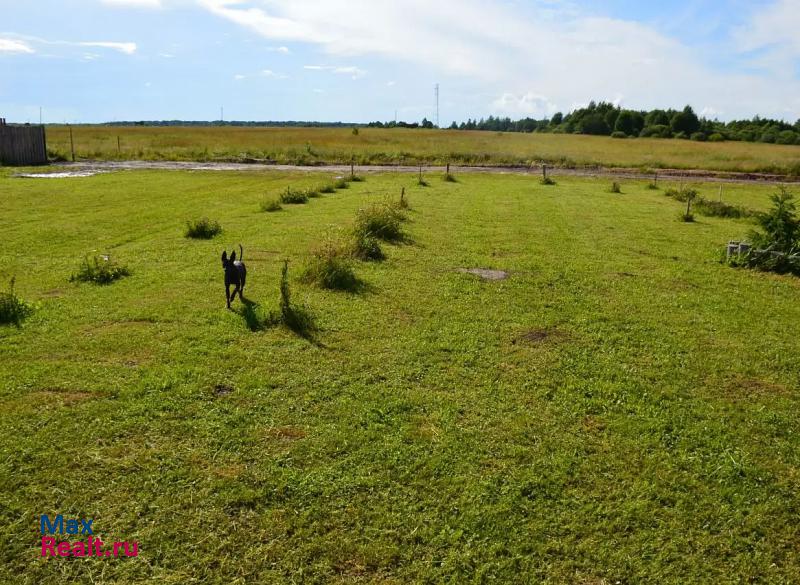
point(22, 145)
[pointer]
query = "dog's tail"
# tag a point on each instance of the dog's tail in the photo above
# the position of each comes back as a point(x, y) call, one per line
point(241, 253)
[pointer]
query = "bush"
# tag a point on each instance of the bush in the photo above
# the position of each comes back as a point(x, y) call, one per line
point(656, 131)
point(202, 229)
point(271, 205)
point(294, 197)
point(619, 134)
point(780, 225)
point(382, 221)
point(449, 178)
point(716, 137)
point(356, 179)
point(615, 188)
point(547, 181)
point(686, 216)
point(720, 209)
point(327, 188)
point(99, 270)
point(330, 268)
point(13, 310)
point(341, 183)
point(699, 137)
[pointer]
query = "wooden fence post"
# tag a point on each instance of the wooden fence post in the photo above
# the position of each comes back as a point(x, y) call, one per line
point(71, 144)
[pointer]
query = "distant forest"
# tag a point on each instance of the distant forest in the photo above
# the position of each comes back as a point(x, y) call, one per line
point(605, 119)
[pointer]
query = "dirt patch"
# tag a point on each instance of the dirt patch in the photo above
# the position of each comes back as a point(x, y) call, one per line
point(740, 387)
point(285, 433)
point(62, 395)
point(486, 273)
point(223, 389)
point(538, 336)
point(593, 424)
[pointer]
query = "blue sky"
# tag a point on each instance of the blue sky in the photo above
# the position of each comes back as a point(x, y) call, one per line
point(362, 60)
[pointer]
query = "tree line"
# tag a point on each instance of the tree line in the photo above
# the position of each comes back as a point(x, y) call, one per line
point(606, 119)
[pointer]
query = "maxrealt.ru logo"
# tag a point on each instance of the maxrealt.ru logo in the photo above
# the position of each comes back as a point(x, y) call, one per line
point(91, 547)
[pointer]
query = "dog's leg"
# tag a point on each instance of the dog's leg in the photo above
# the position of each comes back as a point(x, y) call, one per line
point(228, 295)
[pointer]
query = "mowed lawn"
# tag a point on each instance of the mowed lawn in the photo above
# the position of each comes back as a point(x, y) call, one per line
point(622, 409)
point(309, 146)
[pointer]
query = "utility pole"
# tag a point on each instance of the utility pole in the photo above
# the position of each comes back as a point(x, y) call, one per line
point(436, 91)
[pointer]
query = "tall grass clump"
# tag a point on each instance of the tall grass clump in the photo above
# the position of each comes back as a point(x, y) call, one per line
point(331, 268)
point(365, 246)
point(327, 188)
point(341, 183)
point(547, 181)
point(381, 220)
point(202, 229)
point(270, 205)
point(294, 197)
point(296, 318)
point(13, 310)
point(708, 207)
point(615, 188)
point(99, 270)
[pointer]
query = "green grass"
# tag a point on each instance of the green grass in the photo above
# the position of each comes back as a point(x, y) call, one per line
point(623, 408)
point(308, 146)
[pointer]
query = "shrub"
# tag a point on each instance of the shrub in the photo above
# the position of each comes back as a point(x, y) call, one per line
point(652, 186)
point(656, 131)
point(403, 203)
point(547, 181)
point(327, 188)
point(13, 310)
point(619, 134)
point(449, 178)
point(615, 188)
point(330, 268)
point(356, 179)
point(341, 183)
point(202, 229)
point(698, 137)
point(381, 221)
point(271, 205)
point(780, 225)
point(99, 270)
point(686, 216)
point(716, 137)
point(294, 197)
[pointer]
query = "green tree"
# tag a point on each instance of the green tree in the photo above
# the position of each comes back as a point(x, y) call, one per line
point(686, 122)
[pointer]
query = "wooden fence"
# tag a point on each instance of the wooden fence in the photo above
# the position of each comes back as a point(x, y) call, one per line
point(22, 145)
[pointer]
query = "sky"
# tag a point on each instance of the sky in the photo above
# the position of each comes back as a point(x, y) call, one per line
point(363, 60)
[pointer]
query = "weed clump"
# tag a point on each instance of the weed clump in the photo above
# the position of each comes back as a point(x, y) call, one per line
point(330, 268)
point(341, 183)
point(296, 318)
point(615, 188)
point(547, 181)
point(270, 205)
point(686, 216)
point(707, 207)
point(202, 229)
point(381, 220)
point(327, 188)
point(449, 178)
point(365, 246)
point(99, 270)
point(294, 197)
point(13, 310)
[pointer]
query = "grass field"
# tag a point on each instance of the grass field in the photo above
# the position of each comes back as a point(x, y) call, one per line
point(622, 409)
point(401, 146)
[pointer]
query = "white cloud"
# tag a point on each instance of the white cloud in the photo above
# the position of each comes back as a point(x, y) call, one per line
point(14, 46)
point(351, 70)
point(284, 50)
point(528, 104)
point(239, 77)
point(127, 48)
point(517, 51)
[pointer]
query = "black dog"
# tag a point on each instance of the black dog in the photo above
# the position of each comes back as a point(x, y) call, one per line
point(235, 274)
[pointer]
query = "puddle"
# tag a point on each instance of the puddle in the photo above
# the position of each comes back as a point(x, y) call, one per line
point(64, 175)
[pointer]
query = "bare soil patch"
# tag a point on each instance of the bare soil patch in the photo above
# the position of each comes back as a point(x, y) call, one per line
point(485, 273)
